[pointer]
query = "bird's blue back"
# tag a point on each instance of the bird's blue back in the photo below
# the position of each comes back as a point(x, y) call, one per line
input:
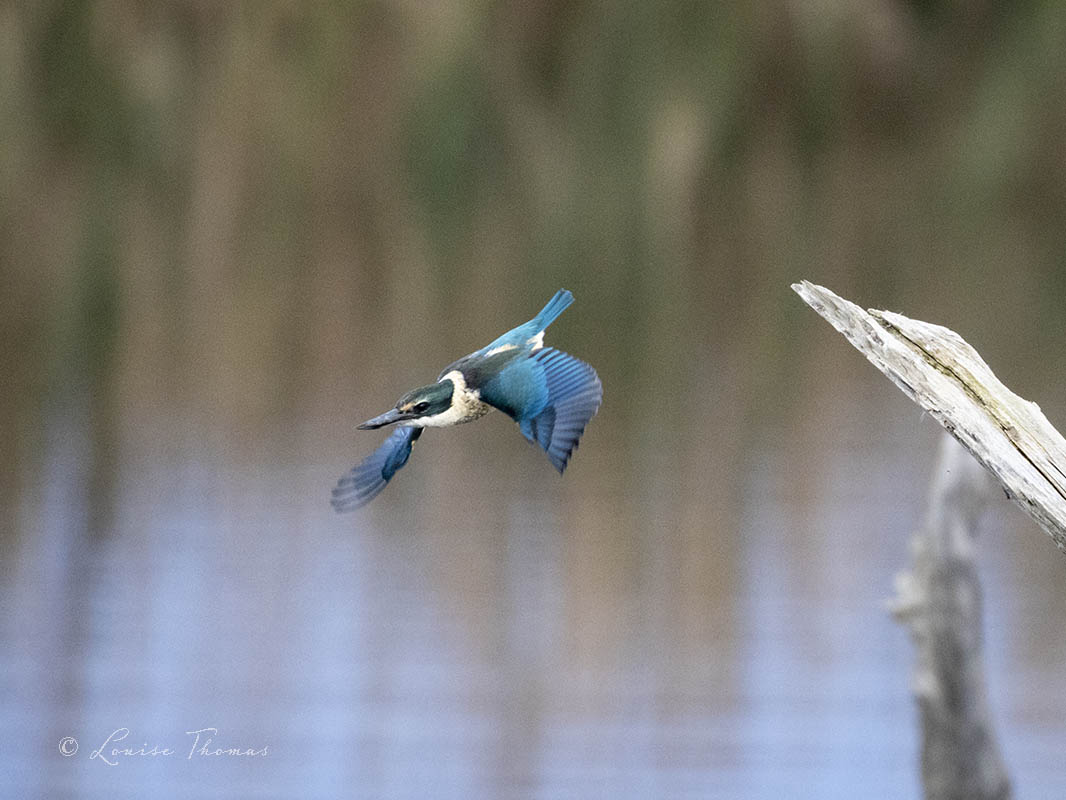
point(549, 393)
point(521, 336)
point(502, 370)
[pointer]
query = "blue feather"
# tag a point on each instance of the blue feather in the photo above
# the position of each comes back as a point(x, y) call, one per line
point(365, 481)
point(552, 396)
point(556, 306)
point(574, 397)
point(523, 333)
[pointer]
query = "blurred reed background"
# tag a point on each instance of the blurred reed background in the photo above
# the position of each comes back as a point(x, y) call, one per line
point(228, 232)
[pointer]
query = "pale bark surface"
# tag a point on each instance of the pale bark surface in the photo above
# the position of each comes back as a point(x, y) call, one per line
point(937, 369)
point(939, 600)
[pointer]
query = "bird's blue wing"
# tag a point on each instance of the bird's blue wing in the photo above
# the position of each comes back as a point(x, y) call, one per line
point(552, 396)
point(574, 396)
point(366, 480)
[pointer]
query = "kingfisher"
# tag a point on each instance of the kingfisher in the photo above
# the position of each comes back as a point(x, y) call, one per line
point(550, 394)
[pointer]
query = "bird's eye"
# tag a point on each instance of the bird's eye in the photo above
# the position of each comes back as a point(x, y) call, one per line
point(420, 407)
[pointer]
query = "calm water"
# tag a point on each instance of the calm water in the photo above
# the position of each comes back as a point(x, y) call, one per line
point(486, 629)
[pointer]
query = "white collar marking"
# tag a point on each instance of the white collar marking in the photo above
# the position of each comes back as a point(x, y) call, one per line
point(466, 405)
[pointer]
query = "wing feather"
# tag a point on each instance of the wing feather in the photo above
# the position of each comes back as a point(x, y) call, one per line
point(574, 396)
point(365, 481)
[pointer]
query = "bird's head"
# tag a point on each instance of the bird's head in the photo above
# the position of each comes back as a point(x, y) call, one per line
point(425, 401)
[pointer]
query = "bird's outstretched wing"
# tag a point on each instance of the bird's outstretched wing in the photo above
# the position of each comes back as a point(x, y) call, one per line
point(552, 396)
point(574, 396)
point(365, 481)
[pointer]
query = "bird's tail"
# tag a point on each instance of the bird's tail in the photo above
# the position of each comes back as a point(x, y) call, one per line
point(556, 306)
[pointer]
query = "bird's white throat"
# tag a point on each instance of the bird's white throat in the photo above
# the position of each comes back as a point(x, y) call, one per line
point(466, 405)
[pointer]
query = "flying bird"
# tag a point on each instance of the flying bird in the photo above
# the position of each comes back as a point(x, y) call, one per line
point(550, 394)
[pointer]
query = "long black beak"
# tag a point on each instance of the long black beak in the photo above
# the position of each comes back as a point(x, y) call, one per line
point(389, 417)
